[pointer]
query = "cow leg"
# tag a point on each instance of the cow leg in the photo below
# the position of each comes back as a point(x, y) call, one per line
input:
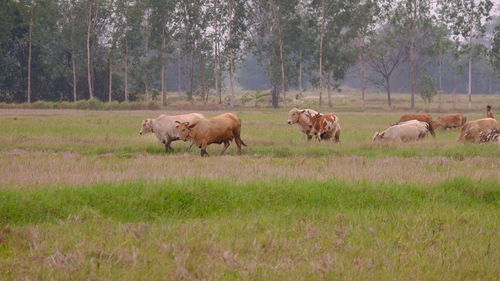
point(309, 137)
point(226, 145)
point(337, 136)
point(168, 148)
point(204, 150)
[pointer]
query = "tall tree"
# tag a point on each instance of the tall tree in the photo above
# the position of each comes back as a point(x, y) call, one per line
point(495, 51)
point(467, 20)
point(386, 52)
point(163, 31)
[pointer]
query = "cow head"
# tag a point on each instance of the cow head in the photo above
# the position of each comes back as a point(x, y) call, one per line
point(146, 126)
point(294, 115)
point(184, 130)
point(377, 137)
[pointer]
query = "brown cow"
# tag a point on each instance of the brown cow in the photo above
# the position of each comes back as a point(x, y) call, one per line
point(325, 126)
point(448, 121)
point(423, 117)
point(219, 129)
point(478, 131)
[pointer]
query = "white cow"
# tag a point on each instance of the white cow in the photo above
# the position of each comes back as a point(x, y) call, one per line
point(407, 131)
point(164, 127)
point(299, 117)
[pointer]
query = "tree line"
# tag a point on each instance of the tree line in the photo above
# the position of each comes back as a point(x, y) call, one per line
point(65, 50)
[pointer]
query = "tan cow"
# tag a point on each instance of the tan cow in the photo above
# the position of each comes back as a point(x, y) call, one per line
point(423, 117)
point(449, 121)
point(325, 126)
point(478, 131)
point(299, 117)
point(164, 127)
point(407, 131)
point(219, 129)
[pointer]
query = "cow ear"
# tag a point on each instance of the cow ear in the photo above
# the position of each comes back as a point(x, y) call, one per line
point(177, 122)
point(191, 126)
point(381, 134)
point(302, 111)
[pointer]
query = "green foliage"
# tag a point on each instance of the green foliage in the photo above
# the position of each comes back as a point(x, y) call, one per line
point(427, 88)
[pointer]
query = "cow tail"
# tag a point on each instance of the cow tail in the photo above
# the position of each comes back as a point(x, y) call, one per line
point(240, 140)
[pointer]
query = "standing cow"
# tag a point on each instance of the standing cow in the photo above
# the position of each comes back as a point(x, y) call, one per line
point(164, 127)
point(325, 126)
point(219, 129)
point(449, 121)
point(423, 117)
point(299, 117)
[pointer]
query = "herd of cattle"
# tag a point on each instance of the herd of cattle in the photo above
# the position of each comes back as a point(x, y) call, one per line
point(226, 127)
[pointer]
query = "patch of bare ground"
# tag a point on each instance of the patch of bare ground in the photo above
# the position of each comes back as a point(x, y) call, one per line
point(20, 168)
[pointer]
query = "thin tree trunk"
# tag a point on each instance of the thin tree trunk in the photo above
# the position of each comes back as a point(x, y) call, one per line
point(191, 77)
point(163, 79)
point(73, 64)
point(299, 80)
point(89, 63)
point(440, 78)
point(146, 55)
point(73, 69)
point(388, 88)
point(330, 104)
point(490, 85)
point(321, 35)
point(204, 95)
point(274, 96)
point(216, 76)
point(28, 90)
point(231, 78)
point(413, 56)
point(126, 69)
point(110, 81)
point(282, 71)
point(179, 61)
point(469, 91)
point(362, 71)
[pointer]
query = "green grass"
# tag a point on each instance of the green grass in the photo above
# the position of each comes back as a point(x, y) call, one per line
point(266, 134)
point(136, 201)
point(259, 231)
point(84, 197)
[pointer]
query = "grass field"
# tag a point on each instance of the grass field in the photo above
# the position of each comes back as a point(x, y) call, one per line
point(84, 197)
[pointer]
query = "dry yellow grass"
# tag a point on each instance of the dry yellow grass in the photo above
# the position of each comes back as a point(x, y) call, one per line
point(20, 168)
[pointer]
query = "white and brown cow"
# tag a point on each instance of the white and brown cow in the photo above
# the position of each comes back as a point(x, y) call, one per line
point(479, 131)
point(299, 117)
point(325, 126)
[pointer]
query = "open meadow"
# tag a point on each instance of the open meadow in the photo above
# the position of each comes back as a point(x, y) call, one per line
point(84, 197)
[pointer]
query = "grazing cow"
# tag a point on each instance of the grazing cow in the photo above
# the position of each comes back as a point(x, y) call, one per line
point(299, 117)
point(448, 121)
point(406, 131)
point(164, 127)
point(424, 117)
point(325, 126)
point(219, 129)
point(478, 131)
